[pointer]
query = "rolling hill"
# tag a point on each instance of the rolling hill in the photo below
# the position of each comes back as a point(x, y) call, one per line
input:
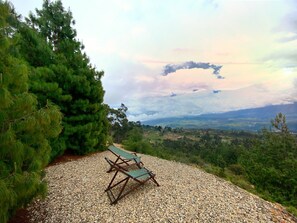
point(253, 119)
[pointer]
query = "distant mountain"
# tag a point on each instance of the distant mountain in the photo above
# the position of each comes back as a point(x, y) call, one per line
point(253, 119)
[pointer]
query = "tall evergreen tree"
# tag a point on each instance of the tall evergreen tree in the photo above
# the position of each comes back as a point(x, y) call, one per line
point(24, 129)
point(85, 117)
point(43, 78)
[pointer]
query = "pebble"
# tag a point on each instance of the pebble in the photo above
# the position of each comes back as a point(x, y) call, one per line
point(186, 194)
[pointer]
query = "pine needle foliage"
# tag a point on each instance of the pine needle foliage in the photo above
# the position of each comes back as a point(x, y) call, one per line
point(25, 130)
point(66, 78)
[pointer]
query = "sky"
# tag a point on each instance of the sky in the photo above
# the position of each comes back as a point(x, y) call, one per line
point(188, 57)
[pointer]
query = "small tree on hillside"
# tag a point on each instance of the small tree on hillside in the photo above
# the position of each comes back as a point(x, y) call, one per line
point(271, 164)
point(119, 122)
point(280, 124)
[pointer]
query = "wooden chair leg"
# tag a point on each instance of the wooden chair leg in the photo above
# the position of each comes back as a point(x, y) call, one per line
point(119, 195)
point(154, 180)
point(111, 168)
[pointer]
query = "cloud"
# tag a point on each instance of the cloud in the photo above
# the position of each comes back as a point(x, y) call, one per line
point(171, 68)
point(182, 50)
point(204, 102)
point(289, 22)
point(294, 92)
point(283, 58)
point(290, 38)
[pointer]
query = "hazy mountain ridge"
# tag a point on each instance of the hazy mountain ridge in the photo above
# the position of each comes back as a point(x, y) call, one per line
point(253, 119)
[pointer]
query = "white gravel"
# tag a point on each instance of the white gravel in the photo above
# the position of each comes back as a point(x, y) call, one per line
point(186, 194)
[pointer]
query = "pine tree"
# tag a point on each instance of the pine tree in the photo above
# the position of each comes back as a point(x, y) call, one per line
point(271, 163)
point(24, 129)
point(43, 79)
point(85, 117)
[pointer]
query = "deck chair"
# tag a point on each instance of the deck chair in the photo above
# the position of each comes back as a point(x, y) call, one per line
point(125, 159)
point(140, 176)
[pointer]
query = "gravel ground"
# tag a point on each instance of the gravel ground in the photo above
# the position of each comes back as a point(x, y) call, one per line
point(187, 194)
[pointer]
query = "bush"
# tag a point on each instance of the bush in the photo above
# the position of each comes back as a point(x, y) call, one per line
point(236, 169)
point(215, 170)
point(271, 165)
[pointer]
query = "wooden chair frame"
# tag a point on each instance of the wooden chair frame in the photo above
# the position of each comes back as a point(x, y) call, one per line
point(140, 176)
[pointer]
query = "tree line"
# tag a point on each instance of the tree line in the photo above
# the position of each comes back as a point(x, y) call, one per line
point(264, 163)
point(51, 98)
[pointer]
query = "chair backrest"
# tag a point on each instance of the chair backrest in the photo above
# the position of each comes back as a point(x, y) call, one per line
point(123, 153)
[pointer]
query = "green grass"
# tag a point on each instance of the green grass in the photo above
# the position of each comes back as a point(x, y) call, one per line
point(292, 210)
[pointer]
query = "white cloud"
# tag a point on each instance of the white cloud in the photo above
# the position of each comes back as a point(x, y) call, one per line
point(133, 40)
